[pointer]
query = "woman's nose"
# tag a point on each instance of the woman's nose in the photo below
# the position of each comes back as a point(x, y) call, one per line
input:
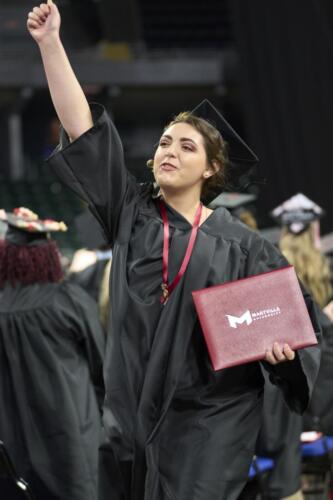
point(171, 151)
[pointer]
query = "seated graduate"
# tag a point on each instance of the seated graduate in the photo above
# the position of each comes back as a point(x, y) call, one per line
point(175, 428)
point(51, 353)
point(300, 244)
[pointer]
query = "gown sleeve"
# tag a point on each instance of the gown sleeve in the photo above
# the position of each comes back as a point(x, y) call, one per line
point(295, 378)
point(320, 413)
point(93, 167)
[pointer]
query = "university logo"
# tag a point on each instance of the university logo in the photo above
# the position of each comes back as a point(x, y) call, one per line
point(249, 317)
point(238, 320)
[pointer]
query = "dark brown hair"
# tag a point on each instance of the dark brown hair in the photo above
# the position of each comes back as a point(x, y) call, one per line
point(216, 150)
point(26, 265)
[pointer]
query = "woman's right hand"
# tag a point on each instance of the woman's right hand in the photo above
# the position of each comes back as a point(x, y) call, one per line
point(44, 22)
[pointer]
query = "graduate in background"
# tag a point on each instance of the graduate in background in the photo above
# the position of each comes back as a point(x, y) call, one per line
point(51, 353)
point(241, 205)
point(300, 243)
point(175, 428)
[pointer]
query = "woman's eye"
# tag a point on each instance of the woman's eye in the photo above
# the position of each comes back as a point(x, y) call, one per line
point(187, 147)
point(163, 143)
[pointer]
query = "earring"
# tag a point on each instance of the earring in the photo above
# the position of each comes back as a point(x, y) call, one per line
point(206, 175)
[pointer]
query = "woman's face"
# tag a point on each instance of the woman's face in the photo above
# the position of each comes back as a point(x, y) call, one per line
point(180, 161)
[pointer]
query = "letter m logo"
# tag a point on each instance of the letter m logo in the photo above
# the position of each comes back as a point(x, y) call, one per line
point(235, 320)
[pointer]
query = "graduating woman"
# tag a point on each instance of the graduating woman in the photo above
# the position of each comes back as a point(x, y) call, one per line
point(175, 428)
point(51, 353)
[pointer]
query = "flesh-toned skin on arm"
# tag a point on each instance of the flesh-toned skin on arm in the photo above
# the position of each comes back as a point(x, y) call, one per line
point(67, 95)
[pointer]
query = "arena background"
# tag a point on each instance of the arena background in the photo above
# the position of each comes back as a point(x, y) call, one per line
point(267, 65)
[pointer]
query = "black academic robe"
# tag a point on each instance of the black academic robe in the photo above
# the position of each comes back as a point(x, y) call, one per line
point(176, 429)
point(279, 438)
point(90, 278)
point(319, 415)
point(280, 432)
point(51, 350)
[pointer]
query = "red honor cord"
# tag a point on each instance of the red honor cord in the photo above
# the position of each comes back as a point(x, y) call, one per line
point(166, 287)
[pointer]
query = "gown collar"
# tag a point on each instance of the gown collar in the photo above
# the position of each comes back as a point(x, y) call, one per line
point(177, 220)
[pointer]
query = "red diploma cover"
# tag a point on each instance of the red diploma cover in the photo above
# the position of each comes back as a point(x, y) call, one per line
point(242, 319)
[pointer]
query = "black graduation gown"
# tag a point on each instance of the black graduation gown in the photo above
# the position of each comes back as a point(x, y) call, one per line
point(90, 278)
point(176, 429)
point(51, 350)
point(279, 438)
point(319, 415)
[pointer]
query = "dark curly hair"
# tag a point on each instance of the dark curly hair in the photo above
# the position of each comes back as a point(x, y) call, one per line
point(29, 264)
point(216, 150)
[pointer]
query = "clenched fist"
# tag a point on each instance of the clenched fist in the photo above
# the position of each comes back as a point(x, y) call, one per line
point(44, 21)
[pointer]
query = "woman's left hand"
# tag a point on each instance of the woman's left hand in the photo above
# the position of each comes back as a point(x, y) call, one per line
point(279, 354)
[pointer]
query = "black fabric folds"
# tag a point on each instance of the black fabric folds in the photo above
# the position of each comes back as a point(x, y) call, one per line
point(175, 428)
point(51, 352)
point(319, 415)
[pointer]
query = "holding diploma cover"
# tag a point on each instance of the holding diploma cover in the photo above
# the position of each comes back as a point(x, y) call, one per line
point(242, 319)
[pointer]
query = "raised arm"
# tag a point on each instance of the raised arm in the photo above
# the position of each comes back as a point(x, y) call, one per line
point(67, 95)
point(92, 165)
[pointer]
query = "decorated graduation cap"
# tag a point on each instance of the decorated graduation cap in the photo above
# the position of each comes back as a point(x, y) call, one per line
point(25, 228)
point(297, 213)
point(241, 157)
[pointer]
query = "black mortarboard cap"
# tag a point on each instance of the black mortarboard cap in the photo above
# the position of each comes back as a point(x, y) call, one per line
point(297, 213)
point(25, 228)
point(239, 205)
point(241, 156)
point(232, 201)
